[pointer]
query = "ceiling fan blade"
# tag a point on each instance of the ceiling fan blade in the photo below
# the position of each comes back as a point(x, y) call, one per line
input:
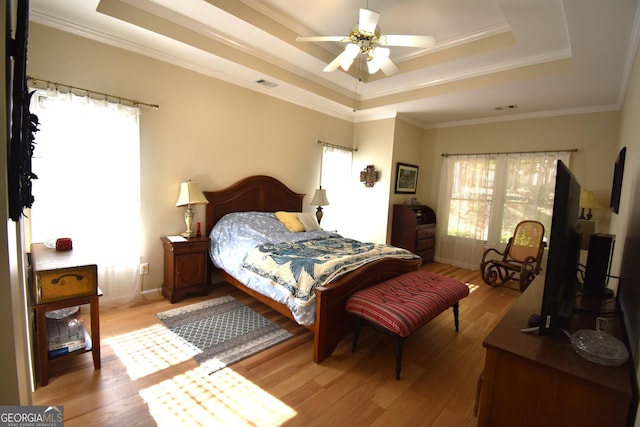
point(333, 65)
point(322, 39)
point(410, 41)
point(368, 20)
point(388, 67)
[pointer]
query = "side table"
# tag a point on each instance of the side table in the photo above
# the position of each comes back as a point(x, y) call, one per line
point(61, 279)
point(185, 267)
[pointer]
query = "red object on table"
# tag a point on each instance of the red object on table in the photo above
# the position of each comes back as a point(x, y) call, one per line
point(64, 244)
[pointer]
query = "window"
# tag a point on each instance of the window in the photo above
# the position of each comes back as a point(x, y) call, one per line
point(483, 197)
point(470, 199)
point(87, 159)
point(335, 178)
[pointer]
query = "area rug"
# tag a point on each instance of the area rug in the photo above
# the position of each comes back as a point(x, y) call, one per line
point(222, 331)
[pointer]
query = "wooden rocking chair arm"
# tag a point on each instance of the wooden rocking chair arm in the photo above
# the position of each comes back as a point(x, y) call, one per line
point(531, 264)
point(489, 250)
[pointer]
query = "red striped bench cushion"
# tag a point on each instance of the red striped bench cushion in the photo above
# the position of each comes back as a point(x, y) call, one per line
point(407, 302)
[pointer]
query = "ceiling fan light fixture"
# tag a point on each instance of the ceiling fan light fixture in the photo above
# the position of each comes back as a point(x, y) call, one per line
point(348, 56)
point(365, 38)
point(376, 58)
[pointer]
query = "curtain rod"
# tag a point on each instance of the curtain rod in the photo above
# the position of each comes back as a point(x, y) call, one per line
point(571, 150)
point(135, 103)
point(341, 147)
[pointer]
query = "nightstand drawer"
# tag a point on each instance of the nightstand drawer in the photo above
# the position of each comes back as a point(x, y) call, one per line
point(62, 283)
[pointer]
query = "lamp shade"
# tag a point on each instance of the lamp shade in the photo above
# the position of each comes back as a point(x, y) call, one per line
point(320, 198)
point(190, 194)
point(588, 200)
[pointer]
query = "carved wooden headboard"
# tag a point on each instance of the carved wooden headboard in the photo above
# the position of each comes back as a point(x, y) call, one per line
point(259, 193)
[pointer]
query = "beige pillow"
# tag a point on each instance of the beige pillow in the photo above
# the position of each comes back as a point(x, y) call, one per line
point(290, 220)
point(308, 221)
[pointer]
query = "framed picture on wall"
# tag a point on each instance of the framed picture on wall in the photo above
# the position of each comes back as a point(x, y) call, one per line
point(406, 178)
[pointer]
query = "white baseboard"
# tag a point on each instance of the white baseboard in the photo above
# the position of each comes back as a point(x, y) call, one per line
point(151, 293)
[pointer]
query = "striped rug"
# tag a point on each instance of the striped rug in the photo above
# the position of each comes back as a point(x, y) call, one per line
point(222, 331)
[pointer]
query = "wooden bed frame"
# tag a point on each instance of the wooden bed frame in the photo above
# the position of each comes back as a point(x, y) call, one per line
point(332, 323)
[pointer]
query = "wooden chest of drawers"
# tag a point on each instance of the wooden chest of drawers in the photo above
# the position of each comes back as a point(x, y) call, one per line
point(426, 241)
point(414, 228)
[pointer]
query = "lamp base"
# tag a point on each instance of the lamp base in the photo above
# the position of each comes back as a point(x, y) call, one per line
point(319, 214)
point(188, 218)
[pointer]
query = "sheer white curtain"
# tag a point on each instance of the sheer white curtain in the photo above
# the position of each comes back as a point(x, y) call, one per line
point(483, 197)
point(336, 179)
point(87, 159)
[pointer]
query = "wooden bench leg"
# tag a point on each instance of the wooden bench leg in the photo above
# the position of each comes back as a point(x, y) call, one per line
point(399, 340)
point(456, 310)
point(399, 347)
point(356, 334)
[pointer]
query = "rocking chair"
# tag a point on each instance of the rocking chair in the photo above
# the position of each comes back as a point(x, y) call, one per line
point(520, 260)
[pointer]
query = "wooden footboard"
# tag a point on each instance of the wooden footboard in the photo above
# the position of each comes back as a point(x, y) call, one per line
point(332, 322)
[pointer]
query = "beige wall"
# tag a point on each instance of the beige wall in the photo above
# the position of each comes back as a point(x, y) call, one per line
point(626, 224)
point(595, 135)
point(205, 130)
point(374, 141)
point(407, 148)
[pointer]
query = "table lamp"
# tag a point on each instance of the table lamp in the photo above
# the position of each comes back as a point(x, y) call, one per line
point(588, 201)
point(190, 194)
point(319, 200)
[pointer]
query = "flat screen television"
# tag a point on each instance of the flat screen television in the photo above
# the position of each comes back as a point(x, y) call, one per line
point(565, 238)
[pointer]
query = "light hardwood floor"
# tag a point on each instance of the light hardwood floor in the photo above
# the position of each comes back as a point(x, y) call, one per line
point(146, 380)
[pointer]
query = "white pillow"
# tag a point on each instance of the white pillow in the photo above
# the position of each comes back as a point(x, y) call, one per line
point(308, 221)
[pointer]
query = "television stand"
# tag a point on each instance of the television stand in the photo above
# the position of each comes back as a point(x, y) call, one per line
point(532, 379)
point(604, 295)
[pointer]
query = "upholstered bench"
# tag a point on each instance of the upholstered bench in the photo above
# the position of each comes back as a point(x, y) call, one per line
point(402, 305)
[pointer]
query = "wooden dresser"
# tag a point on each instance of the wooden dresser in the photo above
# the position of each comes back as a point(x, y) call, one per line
point(532, 380)
point(414, 228)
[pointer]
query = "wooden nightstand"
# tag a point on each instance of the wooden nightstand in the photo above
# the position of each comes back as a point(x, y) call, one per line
point(185, 267)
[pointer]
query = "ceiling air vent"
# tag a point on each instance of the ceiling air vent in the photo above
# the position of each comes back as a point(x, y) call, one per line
point(266, 83)
point(506, 107)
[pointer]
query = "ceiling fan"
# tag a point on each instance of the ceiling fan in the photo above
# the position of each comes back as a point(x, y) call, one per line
point(365, 39)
